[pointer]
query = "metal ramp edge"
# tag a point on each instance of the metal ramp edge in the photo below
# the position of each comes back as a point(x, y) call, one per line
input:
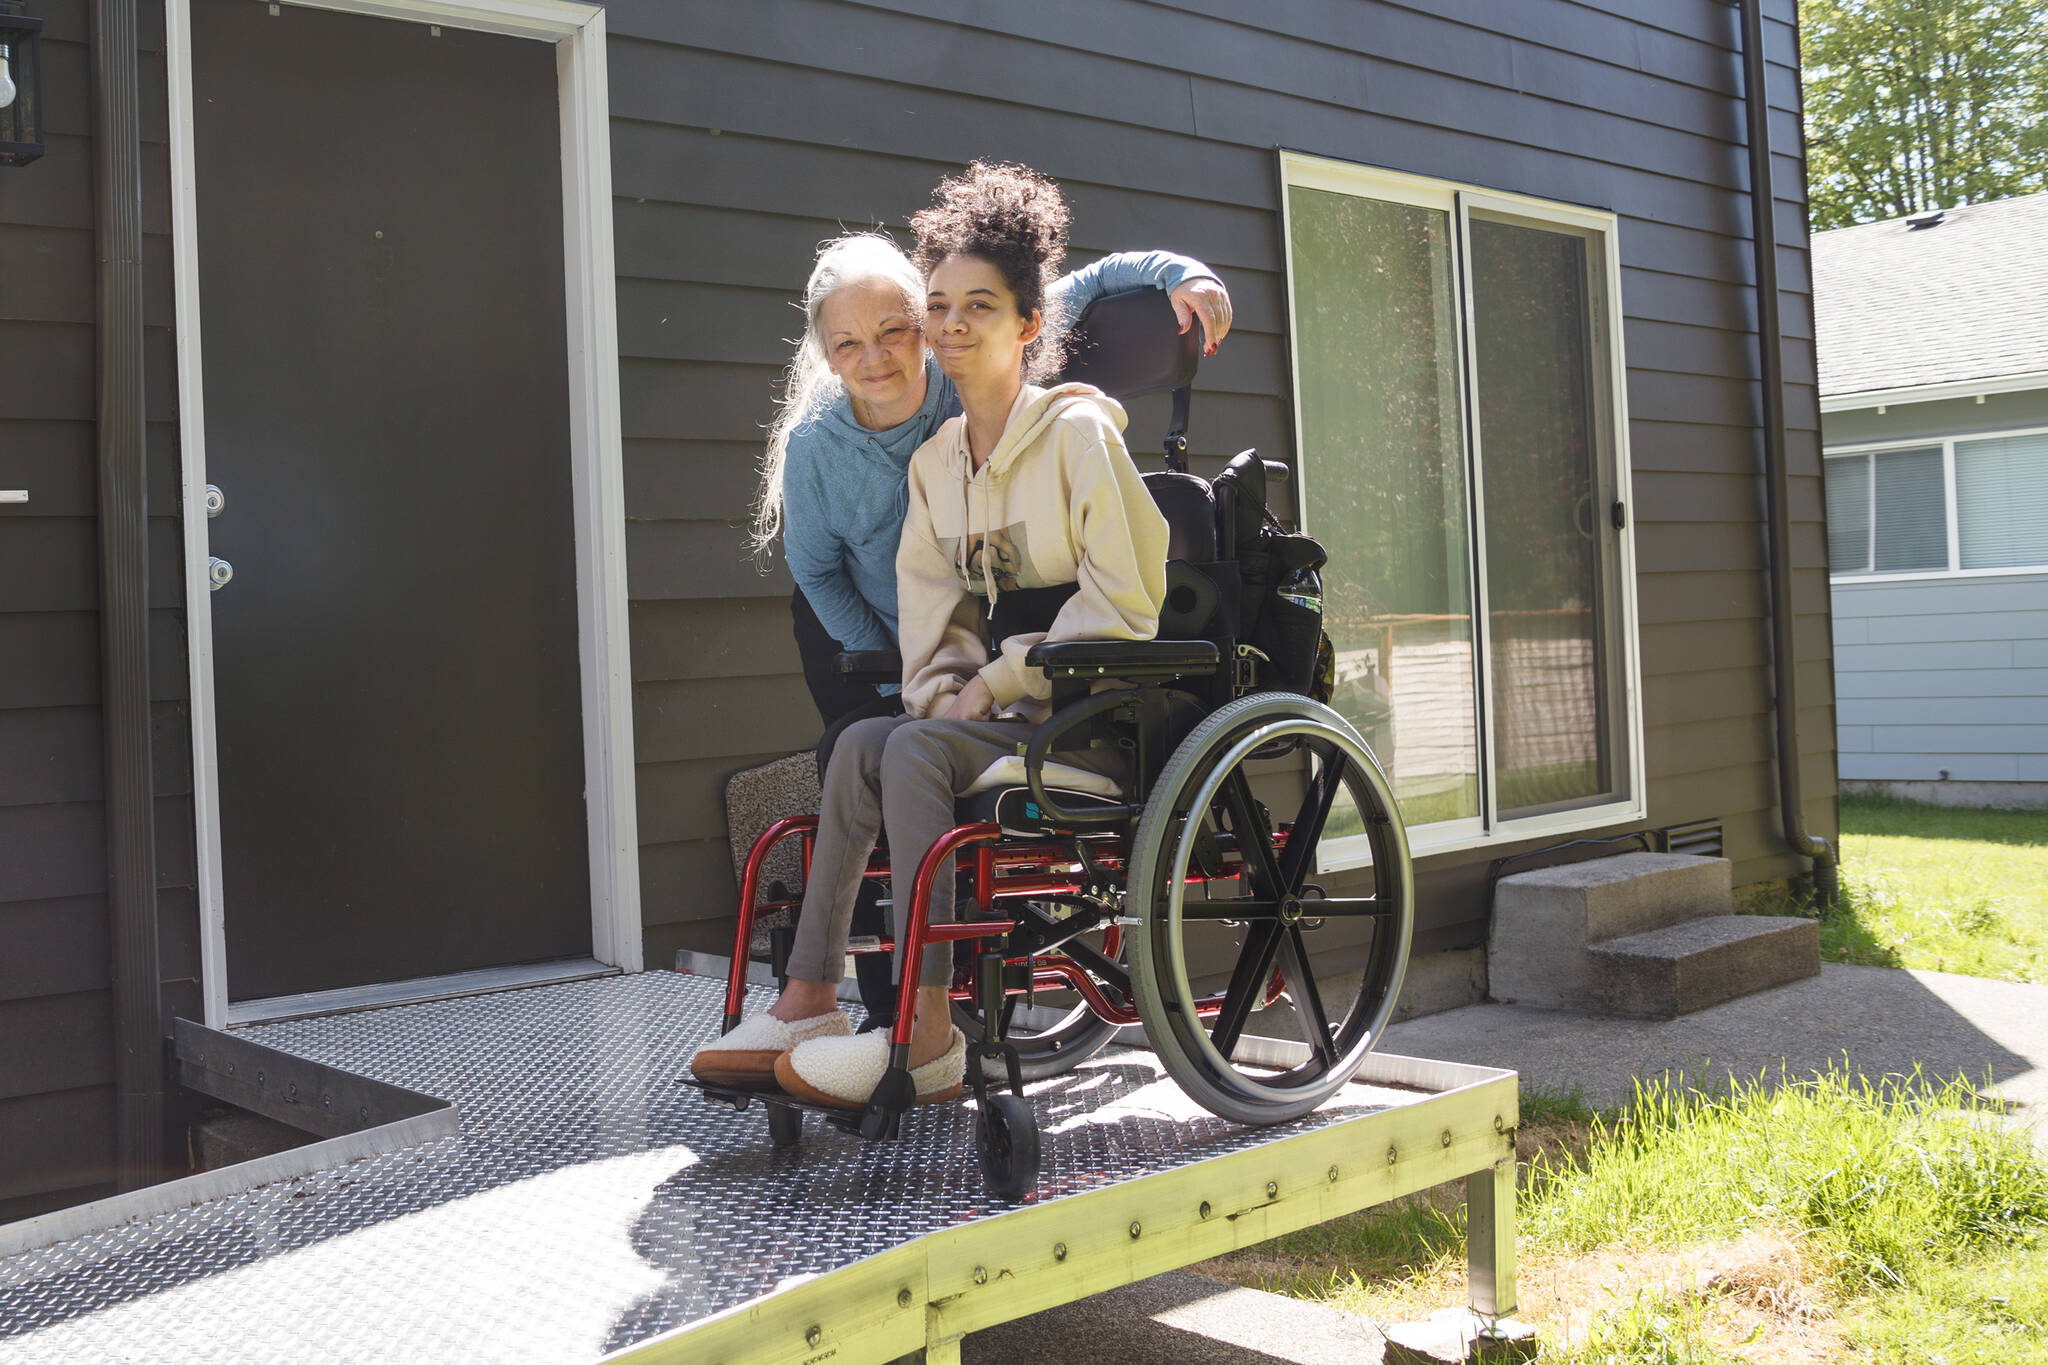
point(928, 1293)
point(353, 1116)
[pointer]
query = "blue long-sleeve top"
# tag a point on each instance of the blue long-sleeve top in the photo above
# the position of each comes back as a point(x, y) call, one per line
point(845, 488)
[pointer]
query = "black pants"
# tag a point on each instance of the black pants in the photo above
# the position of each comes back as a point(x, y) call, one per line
point(840, 703)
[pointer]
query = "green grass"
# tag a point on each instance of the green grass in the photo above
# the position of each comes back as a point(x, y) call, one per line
point(1973, 1312)
point(1939, 888)
point(1898, 1221)
point(1890, 1180)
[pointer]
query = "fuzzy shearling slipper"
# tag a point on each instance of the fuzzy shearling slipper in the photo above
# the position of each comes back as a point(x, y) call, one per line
point(843, 1072)
point(746, 1056)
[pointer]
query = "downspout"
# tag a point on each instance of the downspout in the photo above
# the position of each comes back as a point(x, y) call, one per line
point(1777, 488)
point(124, 600)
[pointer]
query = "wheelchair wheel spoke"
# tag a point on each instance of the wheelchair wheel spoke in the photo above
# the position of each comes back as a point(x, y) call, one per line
point(1247, 985)
point(1254, 839)
point(1350, 907)
point(1308, 1001)
point(1307, 830)
point(1236, 908)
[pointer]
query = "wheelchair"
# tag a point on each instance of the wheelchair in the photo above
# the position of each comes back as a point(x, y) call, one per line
point(1184, 899)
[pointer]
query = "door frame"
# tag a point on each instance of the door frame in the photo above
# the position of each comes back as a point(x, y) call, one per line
point(577, 32)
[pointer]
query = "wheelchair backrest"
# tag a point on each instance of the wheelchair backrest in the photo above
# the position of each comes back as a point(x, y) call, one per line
point(1129, 345)
point(1219, 533)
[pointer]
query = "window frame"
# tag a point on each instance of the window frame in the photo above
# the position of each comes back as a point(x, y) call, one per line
point(1600, 229)
point(1948, 479)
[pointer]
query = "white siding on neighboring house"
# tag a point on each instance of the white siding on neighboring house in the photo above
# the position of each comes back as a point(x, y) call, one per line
point(1943, 678)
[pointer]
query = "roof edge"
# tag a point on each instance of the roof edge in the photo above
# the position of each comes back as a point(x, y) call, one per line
point(1930, 393)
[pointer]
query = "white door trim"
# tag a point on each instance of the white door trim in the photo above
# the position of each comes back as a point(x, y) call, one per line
point(578, 34)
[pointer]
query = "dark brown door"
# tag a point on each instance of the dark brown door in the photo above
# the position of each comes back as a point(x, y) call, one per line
point(399, 732)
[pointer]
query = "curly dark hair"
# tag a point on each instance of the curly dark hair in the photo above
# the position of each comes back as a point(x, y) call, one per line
point(1016, 220)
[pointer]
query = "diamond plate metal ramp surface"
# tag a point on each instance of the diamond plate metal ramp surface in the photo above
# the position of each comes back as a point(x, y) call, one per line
point(591, 1205)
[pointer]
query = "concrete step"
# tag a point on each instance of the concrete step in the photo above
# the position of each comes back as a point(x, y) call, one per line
point(1687, 967)
point(1544, 921)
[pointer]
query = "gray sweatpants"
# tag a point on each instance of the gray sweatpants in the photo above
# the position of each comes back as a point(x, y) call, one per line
point(902, 775)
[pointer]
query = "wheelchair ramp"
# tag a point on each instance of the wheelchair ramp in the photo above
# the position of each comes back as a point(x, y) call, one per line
point(590, 1205)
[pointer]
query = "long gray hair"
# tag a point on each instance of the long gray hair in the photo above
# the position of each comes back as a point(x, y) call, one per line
point(809, 384)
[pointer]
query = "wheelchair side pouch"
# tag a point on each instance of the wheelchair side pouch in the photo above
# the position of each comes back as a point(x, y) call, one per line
point(1291, 636)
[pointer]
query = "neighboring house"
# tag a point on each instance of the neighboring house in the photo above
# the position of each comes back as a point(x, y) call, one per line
point(1932, 333)
point(492, 638)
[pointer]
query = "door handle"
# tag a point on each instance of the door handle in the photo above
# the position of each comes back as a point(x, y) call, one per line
point(219, 573)
point(13, 495)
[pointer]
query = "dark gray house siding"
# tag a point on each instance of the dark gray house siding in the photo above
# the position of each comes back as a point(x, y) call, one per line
point(741, 136)
point(56, 1013)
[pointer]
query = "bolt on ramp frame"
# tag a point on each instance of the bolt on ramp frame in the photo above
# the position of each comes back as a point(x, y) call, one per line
point(590, 1207)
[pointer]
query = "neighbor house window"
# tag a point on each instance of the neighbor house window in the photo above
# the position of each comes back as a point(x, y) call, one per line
point(1964, 505)
point(1456, 368)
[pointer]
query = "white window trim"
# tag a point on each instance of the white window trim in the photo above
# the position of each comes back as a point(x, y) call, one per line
point(577, 32)
point(1458, 200)
point(1955, 544)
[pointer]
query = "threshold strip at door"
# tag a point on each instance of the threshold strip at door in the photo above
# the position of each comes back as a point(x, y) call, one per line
point(452, 986)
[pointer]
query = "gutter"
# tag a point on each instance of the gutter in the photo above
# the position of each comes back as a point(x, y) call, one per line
point(139, 1057)
point(1777, 489)
point(1978, 389)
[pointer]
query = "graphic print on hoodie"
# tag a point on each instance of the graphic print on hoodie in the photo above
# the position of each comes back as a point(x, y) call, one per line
point(1002, 557)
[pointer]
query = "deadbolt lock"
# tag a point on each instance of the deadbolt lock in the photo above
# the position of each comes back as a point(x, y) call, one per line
point(216, 501)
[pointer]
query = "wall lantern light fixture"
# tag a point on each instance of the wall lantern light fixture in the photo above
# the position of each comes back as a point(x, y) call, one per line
point(21, 85)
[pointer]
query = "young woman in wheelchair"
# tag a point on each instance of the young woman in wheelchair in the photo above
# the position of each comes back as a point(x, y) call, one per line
point(1030, 492)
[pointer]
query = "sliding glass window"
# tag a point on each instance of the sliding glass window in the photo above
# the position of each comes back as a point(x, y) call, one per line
point(1459, 417)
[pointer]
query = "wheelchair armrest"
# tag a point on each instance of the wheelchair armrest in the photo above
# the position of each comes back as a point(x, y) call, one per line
point(869, 666)
point(1127, 660)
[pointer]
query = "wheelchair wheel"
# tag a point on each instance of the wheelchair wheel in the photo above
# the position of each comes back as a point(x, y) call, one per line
point(1006, 1133)
point(1211, 949)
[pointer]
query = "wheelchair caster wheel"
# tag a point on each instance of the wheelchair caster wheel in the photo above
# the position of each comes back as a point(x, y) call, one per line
point(1007, 1135)
point(785, 1125)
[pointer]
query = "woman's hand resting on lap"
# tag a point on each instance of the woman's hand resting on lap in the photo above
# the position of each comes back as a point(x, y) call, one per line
point(972, 702)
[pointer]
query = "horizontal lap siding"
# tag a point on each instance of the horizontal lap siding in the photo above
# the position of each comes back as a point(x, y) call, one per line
point(1943, 678)
point(743, 136)
point(56, 1097)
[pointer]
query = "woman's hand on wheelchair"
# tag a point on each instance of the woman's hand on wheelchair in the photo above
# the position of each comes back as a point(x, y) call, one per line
point(972, 702)
point(1207, 300)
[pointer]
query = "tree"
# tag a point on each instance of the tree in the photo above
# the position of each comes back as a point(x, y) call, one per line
point(1922, 104)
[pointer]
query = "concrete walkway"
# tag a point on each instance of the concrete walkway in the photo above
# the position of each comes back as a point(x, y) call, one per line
point(1883, 1022)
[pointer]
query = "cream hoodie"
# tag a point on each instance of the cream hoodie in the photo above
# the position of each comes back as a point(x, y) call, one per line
point(1058, 501)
